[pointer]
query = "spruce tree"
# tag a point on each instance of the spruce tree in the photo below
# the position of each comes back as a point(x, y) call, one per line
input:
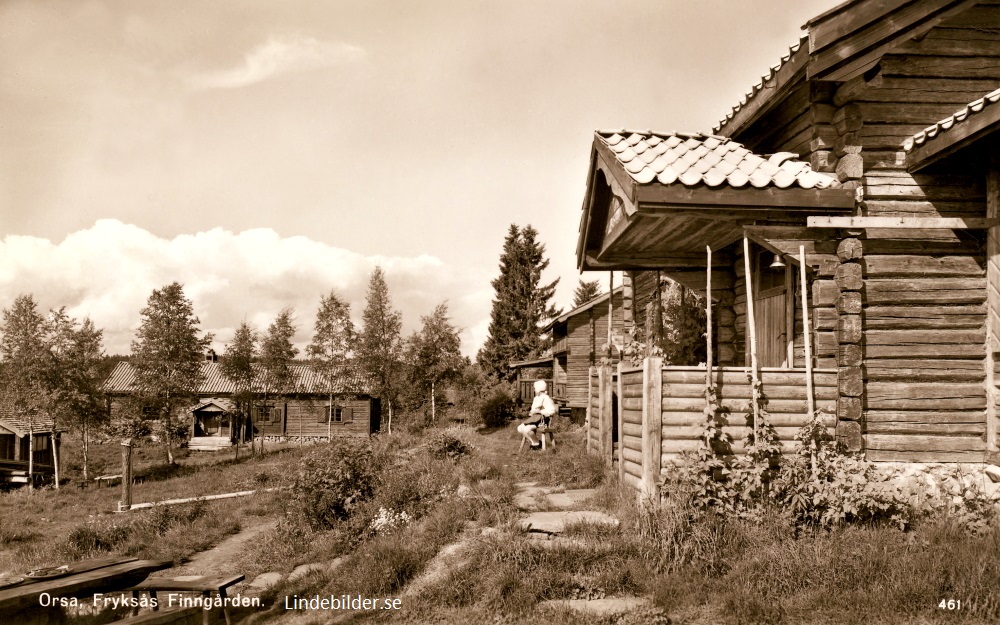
point(586, 291)
point(520, 306)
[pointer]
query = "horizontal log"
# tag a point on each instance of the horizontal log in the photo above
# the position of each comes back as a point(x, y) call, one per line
point(924, 396)
point(925, 317)
point(903, 338)
point(694, 432)
point(925, 291)
point(913, 265)
point(943, 350)
point(955, 67)
point(899, 242)
point(913, 427)
point(877, 455)
point(632, 429)
point(676, 446)
point(738, 376)
point(632, 416)
point(925, 416)
point(742, 391)
point(739, 406)
point(923, 369)
point(632, 456)
point(914, 442)
point(777, 419)
point(632, 442)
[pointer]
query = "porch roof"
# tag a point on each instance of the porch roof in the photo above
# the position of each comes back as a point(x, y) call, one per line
point(17, 421)
point(963, 127)
point(655, 200)
point(225, 405)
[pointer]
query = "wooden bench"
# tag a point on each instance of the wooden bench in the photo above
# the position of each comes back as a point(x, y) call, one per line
point(204, 584)
point(107, 480)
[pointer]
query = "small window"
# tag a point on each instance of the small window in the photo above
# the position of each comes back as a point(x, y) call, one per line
point(268, 414)
point(41, 442)
point(336, 414)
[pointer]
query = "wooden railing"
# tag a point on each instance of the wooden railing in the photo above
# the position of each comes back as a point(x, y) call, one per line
point(560, 345)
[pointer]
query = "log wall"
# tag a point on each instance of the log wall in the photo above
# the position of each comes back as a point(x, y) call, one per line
point(587, 336)
point(630, 431)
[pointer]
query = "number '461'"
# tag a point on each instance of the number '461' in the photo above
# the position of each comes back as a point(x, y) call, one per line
point(950, 604)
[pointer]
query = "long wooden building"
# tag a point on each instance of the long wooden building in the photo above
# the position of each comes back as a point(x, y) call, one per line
point(313, 411)
point(874, 145)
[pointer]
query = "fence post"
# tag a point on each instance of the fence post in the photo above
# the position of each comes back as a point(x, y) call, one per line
point(652, 428)
point(607, 393)
point(590, 408)
point(621, 425)
point(126, 501)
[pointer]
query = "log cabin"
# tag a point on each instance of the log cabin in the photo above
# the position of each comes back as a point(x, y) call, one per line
point(579, 341)
point(15, 430)
point(873, 148)
point(315, 410)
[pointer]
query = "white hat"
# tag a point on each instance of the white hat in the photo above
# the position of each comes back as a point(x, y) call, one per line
point(540, 385)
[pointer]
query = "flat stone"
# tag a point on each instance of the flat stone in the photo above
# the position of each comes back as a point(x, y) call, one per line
point(569, 498)
point(993, 472)
point(305, 569)
point(610, 606)
point(266, 580)
point(528, 494)
point(555, 522)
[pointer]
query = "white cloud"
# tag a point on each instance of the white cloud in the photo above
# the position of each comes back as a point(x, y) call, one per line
point(108, 271)
point(280, 56)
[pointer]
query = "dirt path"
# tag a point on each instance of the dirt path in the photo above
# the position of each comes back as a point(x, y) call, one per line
point(219, 559)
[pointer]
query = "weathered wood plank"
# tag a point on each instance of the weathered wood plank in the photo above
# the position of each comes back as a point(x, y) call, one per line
point(937, 66)
point(910, 265)
point(943, 350)
point(697, 419)
point(918, 428)
point(878, 455)
point(925, 396)
point(737, 406)
point(923, 369)
point(925, 317)
point(695, 391)
point(925, 290)
point(894, 442)
point(924, 416)
point(737, 376)
point(905, 338)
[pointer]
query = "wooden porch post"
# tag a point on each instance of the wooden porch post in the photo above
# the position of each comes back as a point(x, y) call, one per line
point(752, 334)
point(992, 297)
point(708, 320)
point(590, 409)
point(606, 394)
point(807, 338)
point(621, 427)
point(652, 428)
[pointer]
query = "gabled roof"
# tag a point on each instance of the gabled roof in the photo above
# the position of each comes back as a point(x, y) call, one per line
point(225, 405)
point(17, 421)
point(308, 379)
point(692, 159)
point(965, 125)
point(582, 308)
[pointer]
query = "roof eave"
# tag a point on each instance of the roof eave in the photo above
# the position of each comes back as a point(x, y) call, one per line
point(772, 92)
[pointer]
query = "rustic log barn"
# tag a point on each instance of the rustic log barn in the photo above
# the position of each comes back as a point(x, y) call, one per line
point(873, 147)
point(580, 341)
point(15, 431)
point(314, 411)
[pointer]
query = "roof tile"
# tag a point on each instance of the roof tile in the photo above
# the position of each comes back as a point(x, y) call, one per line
point(976, 106)
point(693, 159)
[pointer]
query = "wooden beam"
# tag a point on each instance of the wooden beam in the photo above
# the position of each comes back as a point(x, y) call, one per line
point(844, 44)
point(915, 223)
point(655, 198)
point(992, 297)
point(947, 142)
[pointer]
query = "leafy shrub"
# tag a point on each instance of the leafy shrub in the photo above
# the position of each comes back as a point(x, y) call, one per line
point(497, 410)
point(443, 445)
point(333, 481)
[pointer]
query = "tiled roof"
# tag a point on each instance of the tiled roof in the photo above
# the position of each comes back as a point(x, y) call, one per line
point(694, 159)
point(307, 380)
point(947, 123)
point(17, 421)
point(763, 81)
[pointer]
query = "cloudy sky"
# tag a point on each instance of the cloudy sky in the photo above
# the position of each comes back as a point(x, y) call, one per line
point(264, 152)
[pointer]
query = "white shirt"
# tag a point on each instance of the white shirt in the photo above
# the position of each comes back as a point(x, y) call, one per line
point(543, 405)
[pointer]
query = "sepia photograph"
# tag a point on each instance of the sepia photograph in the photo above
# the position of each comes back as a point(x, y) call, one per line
point(499, 312)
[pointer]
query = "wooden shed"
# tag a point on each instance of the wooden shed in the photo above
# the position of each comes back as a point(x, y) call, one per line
point(16, 429)
point(580, 341)
point(314, 410)
point(873, 146)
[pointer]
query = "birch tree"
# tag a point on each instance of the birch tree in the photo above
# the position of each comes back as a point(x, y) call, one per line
point(167, 354)
point(238, 367)
point(276, 356)
point(434, 353)
point(332, 343)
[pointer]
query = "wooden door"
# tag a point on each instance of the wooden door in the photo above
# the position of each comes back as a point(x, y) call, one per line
point(769, 312)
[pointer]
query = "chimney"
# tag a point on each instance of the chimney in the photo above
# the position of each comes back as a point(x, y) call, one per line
point(211, 356)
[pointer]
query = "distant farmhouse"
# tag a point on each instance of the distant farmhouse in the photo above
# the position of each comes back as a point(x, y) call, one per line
point(15, 430)
point(312, 412)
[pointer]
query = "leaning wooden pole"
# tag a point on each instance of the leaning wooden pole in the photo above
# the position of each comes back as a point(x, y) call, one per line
point(126, 502)
point(752, 335)
point(806, 331)
point(708, 321)
point(611, 314)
